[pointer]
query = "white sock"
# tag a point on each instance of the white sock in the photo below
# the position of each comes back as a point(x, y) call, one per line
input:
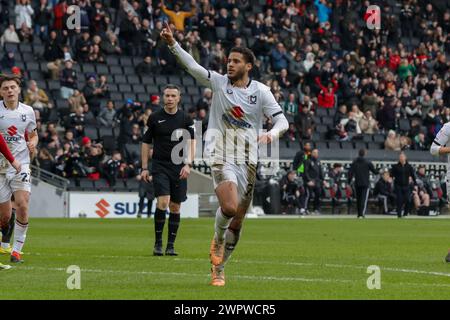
point(231, 240)
point(5, 245)
point(20, 233)
point(221, 225)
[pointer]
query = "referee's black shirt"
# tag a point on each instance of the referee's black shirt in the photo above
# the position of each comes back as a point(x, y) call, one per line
point(360, 169)
point(161, 125)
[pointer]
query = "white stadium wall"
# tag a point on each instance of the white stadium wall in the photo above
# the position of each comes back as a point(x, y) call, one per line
point(47, 201)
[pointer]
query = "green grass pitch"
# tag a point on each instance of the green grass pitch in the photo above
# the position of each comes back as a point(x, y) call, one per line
point(275, 259)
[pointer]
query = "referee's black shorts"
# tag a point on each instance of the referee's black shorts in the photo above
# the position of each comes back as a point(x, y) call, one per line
point(167, 182)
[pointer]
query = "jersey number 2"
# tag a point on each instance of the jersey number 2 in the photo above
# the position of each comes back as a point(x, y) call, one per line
point(25, 177)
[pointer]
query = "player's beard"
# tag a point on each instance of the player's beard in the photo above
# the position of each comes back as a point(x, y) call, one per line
point(239, 74)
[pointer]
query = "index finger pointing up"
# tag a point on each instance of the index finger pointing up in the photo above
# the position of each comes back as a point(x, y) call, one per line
point(166, 25)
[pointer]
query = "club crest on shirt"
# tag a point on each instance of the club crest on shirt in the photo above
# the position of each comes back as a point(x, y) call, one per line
point(252, 99)
point(229, 91)
point(24, 117)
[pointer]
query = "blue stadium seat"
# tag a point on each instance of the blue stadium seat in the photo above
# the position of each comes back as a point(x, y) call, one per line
point(147, 80)
point(125, 88)
point(133, 79)
point(112, 60)
point(120, 78)
point(116, 70)
point(188, 81)
point(126, 61)
point(101, 69)
point(139, 88)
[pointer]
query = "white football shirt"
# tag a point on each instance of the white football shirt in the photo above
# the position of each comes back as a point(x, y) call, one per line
point(14, 125)
point(237, 115)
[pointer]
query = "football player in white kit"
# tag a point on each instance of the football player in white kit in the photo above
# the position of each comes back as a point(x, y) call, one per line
point(440, 146)
point(237, 113)
point(18, 127)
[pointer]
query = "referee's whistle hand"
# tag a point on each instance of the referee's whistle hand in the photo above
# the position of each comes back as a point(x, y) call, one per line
point(185, 171)
point(145, 175)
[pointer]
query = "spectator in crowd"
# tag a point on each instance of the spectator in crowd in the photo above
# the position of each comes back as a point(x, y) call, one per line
point(110, 45)
point(8, 61)
point(68, 80)
point(423, 181)
point(326, 96)
point(76, 100)
point(335, 176)
point(54, 69)
point(178, 17)
point(45, 160)
point(368, 124)
point(290, 193)
point(324, 11)
point(291, 106)
point(77, 122)
point(82, 47)
point(205, 101)
point(155, 101)
point(392, 141)
point(23, 12)
point(107, 116)
point(404, 177)
point(42, 19)
point(89, 117)
point(279, 58)
point(93, 157)
point(147, 67)
point(136, 134)
point(113, 167)
point(59, 12)
point(25, 34)
point(9, 36)
point(301, 157)
point(313, 178)
point(305, 123)
point(291, 135)
point(351, 126)
point(384, 191)
point(93, 93)
point(53, 49)
point(419, 142)
point(38, 99)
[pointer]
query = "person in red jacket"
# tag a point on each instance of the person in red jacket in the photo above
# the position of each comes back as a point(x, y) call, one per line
point(59, 11)
point(326, 98)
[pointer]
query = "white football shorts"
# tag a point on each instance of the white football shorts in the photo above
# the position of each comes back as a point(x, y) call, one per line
point(243, 175)
point(12, 182)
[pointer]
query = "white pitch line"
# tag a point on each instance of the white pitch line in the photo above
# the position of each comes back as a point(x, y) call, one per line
point(236, 276)
point(262, 278)
point(289, 263)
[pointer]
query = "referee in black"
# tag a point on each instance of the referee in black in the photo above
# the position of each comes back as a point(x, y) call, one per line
point(172, 134)
point(403, 175)
point(360, 169)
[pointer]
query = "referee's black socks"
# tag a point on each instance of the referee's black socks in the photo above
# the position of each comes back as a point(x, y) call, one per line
point(160, 219)
point(174, 222)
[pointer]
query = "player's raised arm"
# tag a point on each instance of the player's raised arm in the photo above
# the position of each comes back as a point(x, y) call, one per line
point(438, 146)
point(185, 59)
